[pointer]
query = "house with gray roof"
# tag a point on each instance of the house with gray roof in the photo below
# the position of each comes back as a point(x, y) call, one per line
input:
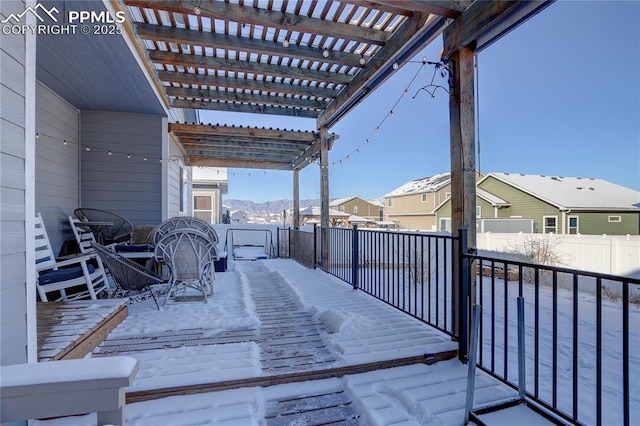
point(557, 204)
point(372, 210)
point(412, 205)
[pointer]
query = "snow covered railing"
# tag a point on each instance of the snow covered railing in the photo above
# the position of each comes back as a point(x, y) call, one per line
point(65, 388)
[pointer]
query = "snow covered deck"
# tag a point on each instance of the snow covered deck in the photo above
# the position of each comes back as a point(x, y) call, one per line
point(281, 344)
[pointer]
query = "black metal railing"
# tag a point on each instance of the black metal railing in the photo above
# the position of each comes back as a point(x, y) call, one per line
point(411, 271)
point(580, 328)
point(298, 245)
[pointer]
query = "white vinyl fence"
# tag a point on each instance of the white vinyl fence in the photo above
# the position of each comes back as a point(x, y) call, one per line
point(606, 254)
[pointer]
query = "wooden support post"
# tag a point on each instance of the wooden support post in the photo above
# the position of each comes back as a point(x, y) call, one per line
point(296, 199)
point(324, 195)
point(463, 174)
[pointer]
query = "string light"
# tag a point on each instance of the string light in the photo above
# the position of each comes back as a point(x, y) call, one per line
point(93, 149)
point(438, 66)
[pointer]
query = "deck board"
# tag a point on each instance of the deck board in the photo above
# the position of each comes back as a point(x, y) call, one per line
point(72, 329)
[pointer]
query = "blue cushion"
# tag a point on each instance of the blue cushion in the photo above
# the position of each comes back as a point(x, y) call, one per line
point(62, 275)
point(134, 247)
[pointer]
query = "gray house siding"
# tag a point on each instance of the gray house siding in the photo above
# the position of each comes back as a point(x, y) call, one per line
point(57, 169)
point(131, 187)
point(179, 193)
point(17, 74)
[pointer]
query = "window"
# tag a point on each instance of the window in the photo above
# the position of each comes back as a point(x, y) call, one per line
point(478, 211)
point(203, 207)
point(355, 209)
point(445, 224)
point(341, 208)
point(447, 195)
point(390, 202)
point(573, 225)
point(615, 219)
point(424, 197)
point(550, 224)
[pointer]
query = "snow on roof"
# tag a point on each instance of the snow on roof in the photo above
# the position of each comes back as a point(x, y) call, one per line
point(315, 211)
point(339, 201)
point(493, 199)
point(574, 192)
point(209, 173)
point(425, 184)
point(358, 219)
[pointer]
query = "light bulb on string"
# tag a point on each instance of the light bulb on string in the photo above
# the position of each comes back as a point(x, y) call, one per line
point(37, 135)
point(110, 153)
point(128, 155)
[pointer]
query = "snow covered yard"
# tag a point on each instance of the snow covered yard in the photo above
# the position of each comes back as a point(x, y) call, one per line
point(327, 326)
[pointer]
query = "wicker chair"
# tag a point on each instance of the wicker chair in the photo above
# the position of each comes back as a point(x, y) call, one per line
point(184, 222)
point(118, 232)
point(188, 255)
point(127, 274)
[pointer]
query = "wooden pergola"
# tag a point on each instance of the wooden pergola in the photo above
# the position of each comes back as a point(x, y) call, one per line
point(314, 59)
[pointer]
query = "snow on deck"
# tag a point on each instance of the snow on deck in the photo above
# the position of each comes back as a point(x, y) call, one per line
point(234, 336)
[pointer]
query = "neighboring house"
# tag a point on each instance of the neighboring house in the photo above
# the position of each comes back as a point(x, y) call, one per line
point(412, 205)
point(560, 205)
point(209, 185)
point(372, 210)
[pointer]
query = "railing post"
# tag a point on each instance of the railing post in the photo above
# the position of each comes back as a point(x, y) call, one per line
point(315, 247)
point(354, 257)
point(289, 243)
point(463, 294)
point(278, 241)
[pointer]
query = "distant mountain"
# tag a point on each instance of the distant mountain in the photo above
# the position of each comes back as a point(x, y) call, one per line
point(267, 207)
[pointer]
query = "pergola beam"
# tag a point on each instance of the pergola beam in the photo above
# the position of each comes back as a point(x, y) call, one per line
point(238, 164)
point(252, 85)
point(268, 19)
point(274, 134)
point(258, 68)
point(420, 30)
point(245, 108)
point(227, 42)
point(190, 143)
point(484, 22)
point(446, 8)
point(224, 96)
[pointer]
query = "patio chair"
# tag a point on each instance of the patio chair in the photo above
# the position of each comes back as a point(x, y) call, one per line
point(82, 271)
point(119, 228)
point(184, 222)
point(188, 255)
point(127, 274)
point(84, 236)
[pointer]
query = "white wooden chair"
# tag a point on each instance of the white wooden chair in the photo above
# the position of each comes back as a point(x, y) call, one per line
point(85, 270)
point(84, 236)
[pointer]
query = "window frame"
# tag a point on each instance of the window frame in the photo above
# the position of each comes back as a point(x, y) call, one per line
point(576, 227)
point(545, 227)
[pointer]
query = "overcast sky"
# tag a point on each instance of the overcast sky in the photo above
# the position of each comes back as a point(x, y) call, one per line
point(560, 95)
